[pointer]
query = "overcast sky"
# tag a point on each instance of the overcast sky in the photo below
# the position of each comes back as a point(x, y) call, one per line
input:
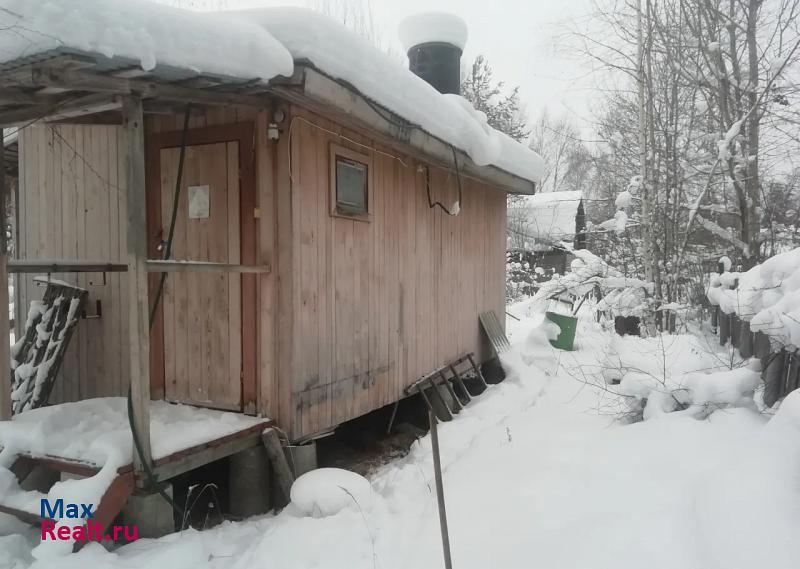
point(523, 40)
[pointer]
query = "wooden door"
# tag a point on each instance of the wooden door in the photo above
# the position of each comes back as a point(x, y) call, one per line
point(202, 311)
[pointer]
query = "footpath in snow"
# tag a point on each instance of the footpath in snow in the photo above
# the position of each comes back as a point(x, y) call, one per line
point(539, 472)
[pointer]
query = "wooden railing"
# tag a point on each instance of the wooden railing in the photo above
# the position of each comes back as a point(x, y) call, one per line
point(153, 266)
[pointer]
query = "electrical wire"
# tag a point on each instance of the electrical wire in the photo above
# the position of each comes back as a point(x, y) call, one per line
point(432, 203)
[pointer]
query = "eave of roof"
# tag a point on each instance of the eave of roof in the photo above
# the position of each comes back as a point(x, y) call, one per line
point(310, 85)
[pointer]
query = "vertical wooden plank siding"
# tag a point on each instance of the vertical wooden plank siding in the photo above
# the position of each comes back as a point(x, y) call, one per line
point(378, 304)
point(73, 206)
point(72, 189)
point(352, 312)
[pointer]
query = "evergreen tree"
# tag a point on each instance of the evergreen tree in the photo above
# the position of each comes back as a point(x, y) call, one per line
point(486, 95)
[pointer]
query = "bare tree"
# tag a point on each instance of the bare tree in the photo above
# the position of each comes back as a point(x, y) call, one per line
point(695, 105)
point(567, 158)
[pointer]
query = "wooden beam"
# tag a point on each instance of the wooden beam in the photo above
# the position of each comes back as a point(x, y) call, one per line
point(88, 105)
point(24, 114)
point(158, 266)
point(80, 80)
point(194, 457)
point(138, 309)
point(17, 97)
point(32, 266)
point(5, 328)
point(68, 105)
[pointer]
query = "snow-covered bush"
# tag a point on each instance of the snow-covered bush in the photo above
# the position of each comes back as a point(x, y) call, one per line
point(524, 273)
point(767, 296)
point(653, 382)
point(621, 296)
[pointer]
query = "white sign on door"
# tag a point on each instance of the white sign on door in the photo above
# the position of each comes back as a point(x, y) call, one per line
point(199, 202)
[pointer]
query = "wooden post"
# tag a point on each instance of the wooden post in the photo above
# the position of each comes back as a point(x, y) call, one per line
point(138, 325)
point(5, 351)
point(437, 472)
point(283, 474)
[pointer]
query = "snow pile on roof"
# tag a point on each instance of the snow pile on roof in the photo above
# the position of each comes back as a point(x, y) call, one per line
point(433, 27)
point(549, 218)
point(327, 491)
point(151, 34)
point(346, 56)
point(767, 296)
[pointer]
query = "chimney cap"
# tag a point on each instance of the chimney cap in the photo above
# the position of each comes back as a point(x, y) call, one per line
point(433, 27)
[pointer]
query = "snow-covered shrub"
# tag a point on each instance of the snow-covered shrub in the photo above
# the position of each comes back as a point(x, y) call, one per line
point(654, 383)
point(524, 274)
point(621, 296)
point(768, 296)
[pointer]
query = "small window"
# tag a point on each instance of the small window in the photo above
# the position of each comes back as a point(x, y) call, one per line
point(351, 186)
point(350, 183)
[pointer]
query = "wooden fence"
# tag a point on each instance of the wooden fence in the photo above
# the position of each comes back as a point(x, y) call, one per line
point(780, 369)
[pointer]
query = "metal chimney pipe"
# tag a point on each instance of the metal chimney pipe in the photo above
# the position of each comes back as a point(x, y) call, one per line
point(434, 42)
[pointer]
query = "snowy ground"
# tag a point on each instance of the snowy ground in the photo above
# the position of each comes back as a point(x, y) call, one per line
point(538, 473)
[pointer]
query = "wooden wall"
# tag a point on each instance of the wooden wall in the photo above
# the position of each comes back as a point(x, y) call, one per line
point(379, 304)
point(266, 229)
point(72, 206)
point(351, 313)
point(72, 202)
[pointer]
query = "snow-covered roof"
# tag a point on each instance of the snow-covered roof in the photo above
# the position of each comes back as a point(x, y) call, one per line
point(344, 55)
point(258, 44)
point(148, 33)
point(549, 217)
point(767, 296)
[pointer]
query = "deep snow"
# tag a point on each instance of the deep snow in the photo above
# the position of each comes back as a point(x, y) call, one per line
point(538, 472)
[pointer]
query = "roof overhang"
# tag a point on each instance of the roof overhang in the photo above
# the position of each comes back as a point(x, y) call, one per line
point(65, 85)
point(312, 88)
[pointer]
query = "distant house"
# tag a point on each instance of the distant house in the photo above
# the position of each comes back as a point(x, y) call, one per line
point(544, 231)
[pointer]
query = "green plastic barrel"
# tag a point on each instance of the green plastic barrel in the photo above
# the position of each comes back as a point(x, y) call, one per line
point(567, 324)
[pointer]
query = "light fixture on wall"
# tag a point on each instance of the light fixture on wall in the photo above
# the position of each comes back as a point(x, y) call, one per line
point(273, 131)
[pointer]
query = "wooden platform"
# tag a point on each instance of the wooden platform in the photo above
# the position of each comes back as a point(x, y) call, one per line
point(240, 433)
point(166, 467)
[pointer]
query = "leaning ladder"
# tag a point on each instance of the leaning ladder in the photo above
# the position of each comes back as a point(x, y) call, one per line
point(443, 382)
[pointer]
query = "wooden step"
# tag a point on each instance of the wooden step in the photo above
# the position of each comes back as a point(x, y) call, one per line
point(108, 505)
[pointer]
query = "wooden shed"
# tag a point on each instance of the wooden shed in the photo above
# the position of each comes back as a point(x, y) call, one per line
point(328, 251)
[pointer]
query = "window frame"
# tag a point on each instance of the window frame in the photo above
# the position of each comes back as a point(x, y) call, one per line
point(338, 151)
